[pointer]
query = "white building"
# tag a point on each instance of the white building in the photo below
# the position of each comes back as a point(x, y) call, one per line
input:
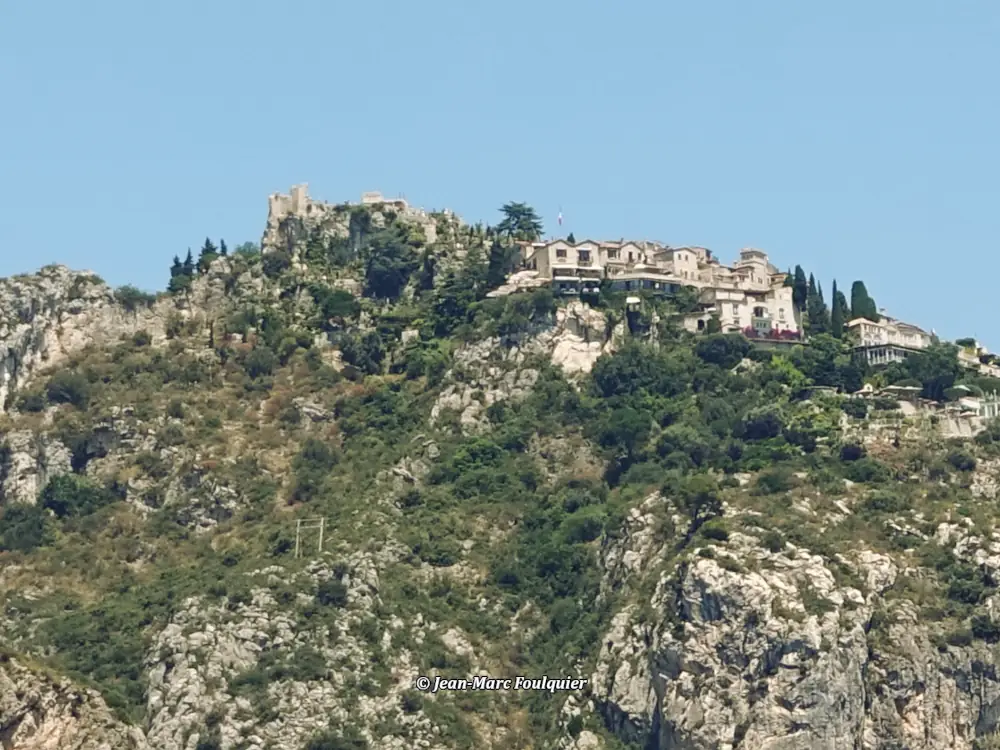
point(888, 340)
point(749, 296)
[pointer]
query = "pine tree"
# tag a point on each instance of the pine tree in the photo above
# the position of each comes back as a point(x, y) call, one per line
point(862, 305)
point(176, 269)
point(208, 253)
point(188, 269)
point(800, 288)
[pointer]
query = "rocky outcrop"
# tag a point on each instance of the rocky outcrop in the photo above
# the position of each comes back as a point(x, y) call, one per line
point(485, 373)
point(27, 461)
point(494, 370)
point(581, 335)
point(47, 317)
point(522, 281)
point(742, 647)
point(209, 668)
point(39, 712)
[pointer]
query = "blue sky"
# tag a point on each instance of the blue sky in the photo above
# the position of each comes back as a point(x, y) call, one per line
point(858, 139)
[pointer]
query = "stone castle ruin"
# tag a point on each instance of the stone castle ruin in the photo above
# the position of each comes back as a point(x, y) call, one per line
point(293, 216)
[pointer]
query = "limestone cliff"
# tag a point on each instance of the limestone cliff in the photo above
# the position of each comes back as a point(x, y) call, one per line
point(38, 712)
point(49, 316)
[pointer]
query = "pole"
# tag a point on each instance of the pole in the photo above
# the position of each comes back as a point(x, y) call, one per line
point(322, 522)
point(298, 529)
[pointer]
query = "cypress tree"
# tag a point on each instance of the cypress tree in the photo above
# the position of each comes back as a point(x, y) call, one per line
point(223, 250)
point(571, 239)
point(862, 305)
point(800, 288)
point(816, 312)
point(176, 269)
point(499, 264)
point(838, 311)
point(188, 269)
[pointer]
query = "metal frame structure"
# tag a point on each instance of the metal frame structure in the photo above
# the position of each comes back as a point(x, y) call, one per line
point(308, 525)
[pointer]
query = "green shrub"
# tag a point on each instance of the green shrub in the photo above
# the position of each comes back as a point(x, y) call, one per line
point(762, 425)
point(132, 298)
point(364, 352)
point(773, 541)
point(411, 702)
point(276, 263)
point(349, 740)
point(32, 401)
point(884, 502)
point(68, 387)
point(852, 452)
point(774, 481)
point(961, 460)
point(24, 528)
point(867, 470)
point(584, 526)
point(966, 584)
point(715, 530)
point(71, 495)
point(311, 466)
point(854, 407)
point(985, 629)
point(260, 362)
point(885, 404)
point(332, 593)
point(723, 349)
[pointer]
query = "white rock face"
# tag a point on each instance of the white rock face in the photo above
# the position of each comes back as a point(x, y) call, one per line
point(31, 461)
point(492, 370)
point(49, 316)
point(196, 661)
point(580, 336)
point(757, 650)
point(521, 281)
point(38, 713)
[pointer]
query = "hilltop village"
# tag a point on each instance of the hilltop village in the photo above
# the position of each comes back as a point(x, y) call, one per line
point(751, 296)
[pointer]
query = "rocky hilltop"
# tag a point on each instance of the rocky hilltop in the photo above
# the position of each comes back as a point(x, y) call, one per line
point(249, 513)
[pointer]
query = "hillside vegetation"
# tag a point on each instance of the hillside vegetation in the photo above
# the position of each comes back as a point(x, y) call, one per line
point(484, 512)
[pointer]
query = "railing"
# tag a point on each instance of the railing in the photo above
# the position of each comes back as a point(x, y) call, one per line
point(773, 334)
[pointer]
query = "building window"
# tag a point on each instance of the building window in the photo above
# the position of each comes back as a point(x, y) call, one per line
point(560, 253)
point(613, 254)
point(585, 255)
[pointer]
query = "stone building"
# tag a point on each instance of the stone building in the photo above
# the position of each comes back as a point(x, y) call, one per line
point(750, 296)
point(297, 207)
point(888, 340)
